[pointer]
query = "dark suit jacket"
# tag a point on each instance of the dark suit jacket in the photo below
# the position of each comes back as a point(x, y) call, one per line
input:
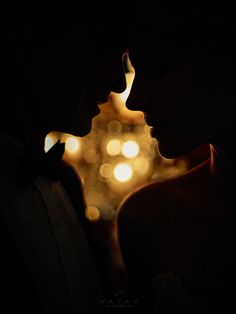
point(46, 263)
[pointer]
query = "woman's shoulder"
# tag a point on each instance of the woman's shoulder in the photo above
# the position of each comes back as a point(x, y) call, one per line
point(169, 194)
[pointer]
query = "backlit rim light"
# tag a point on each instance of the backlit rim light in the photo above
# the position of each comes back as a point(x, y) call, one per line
point(123, 172)
point(50, 141)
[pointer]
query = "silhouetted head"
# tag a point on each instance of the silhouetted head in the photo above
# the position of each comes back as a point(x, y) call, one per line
point(184, 59)
point(58, 61)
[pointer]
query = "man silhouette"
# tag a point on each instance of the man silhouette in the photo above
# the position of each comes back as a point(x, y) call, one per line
point(57, 63)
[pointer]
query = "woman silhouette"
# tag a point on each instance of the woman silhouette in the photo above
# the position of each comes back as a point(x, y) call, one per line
point(180, 234)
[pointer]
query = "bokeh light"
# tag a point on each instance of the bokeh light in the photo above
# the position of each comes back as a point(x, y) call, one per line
point(114, 147)
point(106, 170)
point(130, 149)
point(92, 213)
point(72, 144)
point(123, 172)
point(117, 156)
point(141, 165)
point(114, 126)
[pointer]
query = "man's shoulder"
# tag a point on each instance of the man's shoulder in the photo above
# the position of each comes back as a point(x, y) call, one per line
point(10, 147)
point(11, 153)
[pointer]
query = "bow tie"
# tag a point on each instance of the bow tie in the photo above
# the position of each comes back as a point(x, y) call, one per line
point(35, 163)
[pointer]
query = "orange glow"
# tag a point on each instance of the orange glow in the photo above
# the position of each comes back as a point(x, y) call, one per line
point(106, 170)
point(130, 149)
point(141, 165)
point(119, 100)
point(118, 155)
point(72, 144)
point(123, 172)
point(114, 147)
point(92, 213)
point(50, 140)
point(129, 81)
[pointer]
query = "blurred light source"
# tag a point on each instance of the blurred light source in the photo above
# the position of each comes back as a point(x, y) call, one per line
point(91, 156)
point(106, 170)
point(130, 149)
point(92, 213)
point(114, 126)
point(123, 172)
point(141, 165)
point(114, 147)
point(50, 140)
point(72, 144)
point(117, 155)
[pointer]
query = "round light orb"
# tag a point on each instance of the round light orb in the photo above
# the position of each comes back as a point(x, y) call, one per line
point(114, 126)
point(114, 147)
point(106, 170)
point(123, 172)
point(130, 149)
point(92, 213)
point(72, 144)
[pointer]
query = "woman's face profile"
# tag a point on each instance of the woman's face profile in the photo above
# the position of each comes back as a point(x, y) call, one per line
point(177, 88)
point(175, 101)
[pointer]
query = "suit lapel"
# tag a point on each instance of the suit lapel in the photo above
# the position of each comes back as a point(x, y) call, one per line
point(78, 263)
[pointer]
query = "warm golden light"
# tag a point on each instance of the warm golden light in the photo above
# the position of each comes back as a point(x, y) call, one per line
point(141, 165)
point(72, 144)
point(92, 213)
point(91, 156)
point(106, 170)
point(50, 140)
point(130, 149)
point(129, 81)
point(114, 126)
point(123, 172)
point(114, 147)
point(117, 156)
point(129, 77)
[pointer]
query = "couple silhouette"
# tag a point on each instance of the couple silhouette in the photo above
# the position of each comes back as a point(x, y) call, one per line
point(176, 237)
